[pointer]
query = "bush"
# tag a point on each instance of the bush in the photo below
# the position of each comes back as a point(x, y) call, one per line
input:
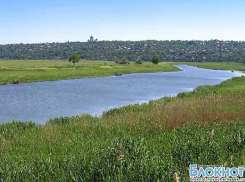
point(139, 61)
point(118, 74)
point(123, 61)
point(16, 82)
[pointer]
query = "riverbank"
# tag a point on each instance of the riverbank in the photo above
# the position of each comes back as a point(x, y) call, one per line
point(232, 66)
point(36, 71)
point(23, 71)
point(147, 142)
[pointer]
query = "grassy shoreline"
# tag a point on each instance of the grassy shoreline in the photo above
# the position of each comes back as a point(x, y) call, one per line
point(148, 142)
point(36, 71)
point(232, 66)
point(24, 71)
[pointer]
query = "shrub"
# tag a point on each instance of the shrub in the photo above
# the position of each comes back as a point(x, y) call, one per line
point(118, 74)
point(16, 82)
point(139, 61)
point(123, 61)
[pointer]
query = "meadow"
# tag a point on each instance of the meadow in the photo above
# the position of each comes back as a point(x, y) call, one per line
point(217, 65)
point(149, 142)
point(23, 71)
point(32, 71)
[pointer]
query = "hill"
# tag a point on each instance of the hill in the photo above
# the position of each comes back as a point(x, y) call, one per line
point(195, 51)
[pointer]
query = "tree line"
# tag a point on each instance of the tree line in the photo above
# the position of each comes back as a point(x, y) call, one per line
point(196, 51)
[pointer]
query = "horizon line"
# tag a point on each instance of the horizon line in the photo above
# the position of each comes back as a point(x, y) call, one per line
point(228, 40)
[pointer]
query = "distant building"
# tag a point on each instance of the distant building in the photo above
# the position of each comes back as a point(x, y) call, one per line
point(92, 39)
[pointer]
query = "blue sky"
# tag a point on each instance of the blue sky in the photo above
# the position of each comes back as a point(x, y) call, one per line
point(34, 21)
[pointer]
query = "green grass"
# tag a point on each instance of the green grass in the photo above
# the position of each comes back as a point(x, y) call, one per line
point(46, 70)
point(33, 71)
point(147, 142)
point(217, 65)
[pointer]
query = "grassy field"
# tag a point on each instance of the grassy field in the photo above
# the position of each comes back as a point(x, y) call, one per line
point(149, 142)
point(218, 65)
point(32, 71)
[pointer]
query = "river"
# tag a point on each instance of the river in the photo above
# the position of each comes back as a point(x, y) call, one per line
point(40, 101)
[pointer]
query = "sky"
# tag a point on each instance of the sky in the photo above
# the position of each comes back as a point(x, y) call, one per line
point(35, 21)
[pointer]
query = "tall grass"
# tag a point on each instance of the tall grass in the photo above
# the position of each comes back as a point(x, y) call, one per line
point(148, 142)
point(225, 102)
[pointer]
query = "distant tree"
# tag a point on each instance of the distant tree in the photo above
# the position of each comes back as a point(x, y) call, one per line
point(139, 61)
point(74, 58)
point(155, 60)
point(230, 51)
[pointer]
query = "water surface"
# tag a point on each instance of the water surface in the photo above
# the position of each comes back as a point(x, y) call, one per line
point(40, 101)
